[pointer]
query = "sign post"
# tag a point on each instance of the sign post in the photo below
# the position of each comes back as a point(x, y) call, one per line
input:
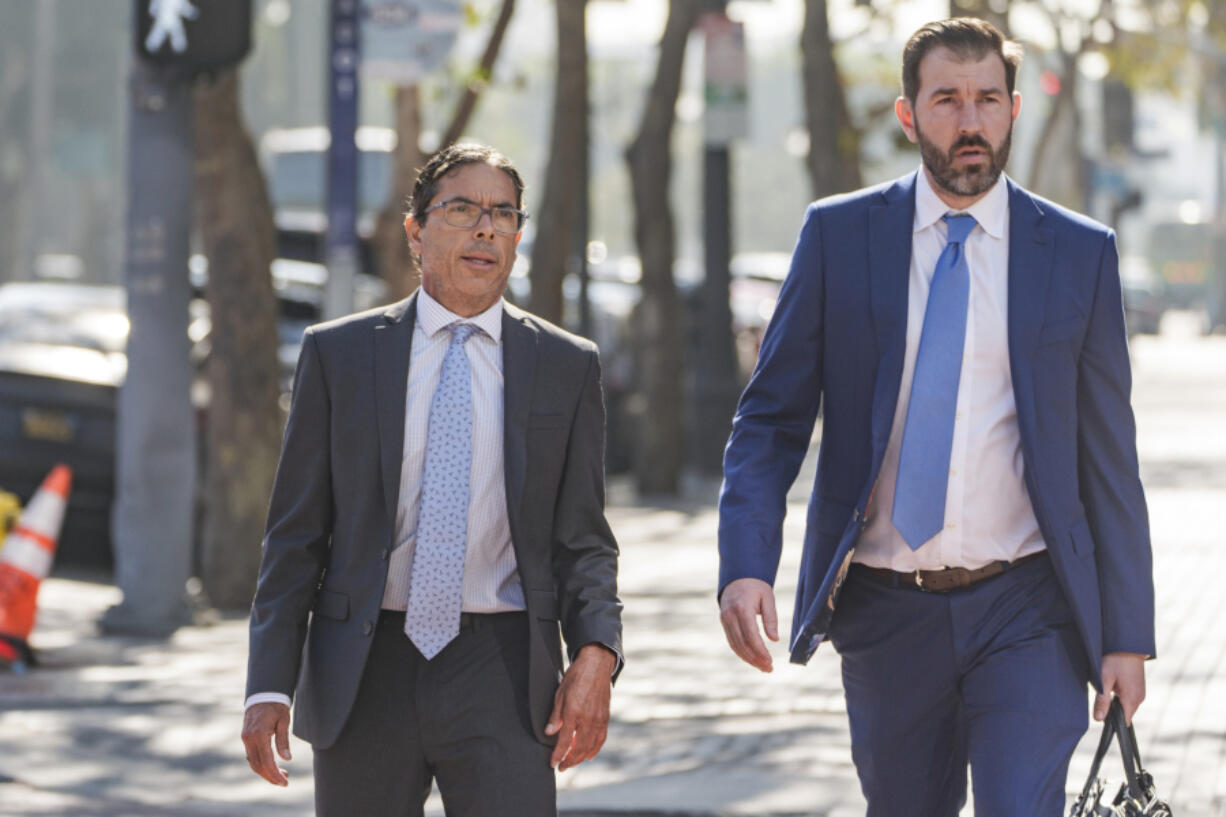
point(341, 240)
point(155, 468)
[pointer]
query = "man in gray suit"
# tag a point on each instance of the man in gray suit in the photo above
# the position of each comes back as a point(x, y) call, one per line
point(438, 512)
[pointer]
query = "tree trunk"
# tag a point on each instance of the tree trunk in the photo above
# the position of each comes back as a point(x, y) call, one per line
point(395, 261)
point(564, 176)
point(834, 143)
point(235, 221)
point(659, 315)
point(988, 10)
point(391, 245)
point(485, 69)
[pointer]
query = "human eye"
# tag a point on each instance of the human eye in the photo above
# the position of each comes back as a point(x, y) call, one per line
point(460, 208)
point(506, 216)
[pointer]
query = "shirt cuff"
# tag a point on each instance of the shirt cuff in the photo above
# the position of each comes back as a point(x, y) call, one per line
point(266, 698)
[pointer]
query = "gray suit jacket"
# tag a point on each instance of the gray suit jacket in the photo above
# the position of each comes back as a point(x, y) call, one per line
point(331, 521)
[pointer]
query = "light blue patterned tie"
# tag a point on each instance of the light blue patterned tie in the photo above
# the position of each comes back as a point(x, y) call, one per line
point(923, 464)
point(432, 616)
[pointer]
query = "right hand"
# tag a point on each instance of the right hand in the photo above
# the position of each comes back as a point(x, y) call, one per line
point(262, 724)
point(740, 605)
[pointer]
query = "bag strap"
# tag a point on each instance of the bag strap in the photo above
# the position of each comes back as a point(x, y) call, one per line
point(1133, 770)
point(1110, 727)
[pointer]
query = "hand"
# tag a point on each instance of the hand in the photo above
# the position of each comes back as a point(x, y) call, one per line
point(260, 723)
point(739, 607)
point(580, 716)
point(1124, 675)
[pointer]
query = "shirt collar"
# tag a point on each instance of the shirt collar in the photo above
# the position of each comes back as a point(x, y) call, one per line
point(991, 211)
point(433, 317)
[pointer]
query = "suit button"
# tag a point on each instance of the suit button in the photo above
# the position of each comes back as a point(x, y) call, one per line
point(386, 552)
point(367, 628)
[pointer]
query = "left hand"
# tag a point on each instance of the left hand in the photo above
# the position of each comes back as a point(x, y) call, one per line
point(580, 716)
point(1123, 675)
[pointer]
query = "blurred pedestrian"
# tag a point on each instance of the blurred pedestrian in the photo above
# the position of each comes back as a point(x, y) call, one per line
point(438, 512)
point(977, 546)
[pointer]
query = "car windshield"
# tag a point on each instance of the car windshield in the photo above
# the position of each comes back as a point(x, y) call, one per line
point(64, 315)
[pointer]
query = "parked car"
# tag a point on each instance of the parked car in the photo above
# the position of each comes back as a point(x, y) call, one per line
point(1145, 298)
point(62, 359)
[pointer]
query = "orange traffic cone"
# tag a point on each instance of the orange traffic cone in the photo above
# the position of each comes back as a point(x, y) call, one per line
point(25, 560)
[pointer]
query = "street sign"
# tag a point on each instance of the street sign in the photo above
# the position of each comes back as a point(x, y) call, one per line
point(201, 36)
point(725, 89)
point(405, 40)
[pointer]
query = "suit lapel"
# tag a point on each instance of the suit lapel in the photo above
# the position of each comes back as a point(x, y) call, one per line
point(1031, 247)
point(393, 339)
point(519, 352)
point(890, 228)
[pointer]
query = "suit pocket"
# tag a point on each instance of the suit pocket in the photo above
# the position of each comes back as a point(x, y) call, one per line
point(1061, 330)
point(330, 604)
point(546, 421)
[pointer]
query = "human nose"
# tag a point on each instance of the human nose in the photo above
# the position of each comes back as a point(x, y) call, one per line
point(486, 217)
point(969, 118)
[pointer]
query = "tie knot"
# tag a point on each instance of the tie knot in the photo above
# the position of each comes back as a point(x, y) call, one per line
point(461, 332)
point(959, 227)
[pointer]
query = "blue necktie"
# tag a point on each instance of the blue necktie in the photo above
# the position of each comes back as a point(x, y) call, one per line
point(923, 463)
point(432, 615)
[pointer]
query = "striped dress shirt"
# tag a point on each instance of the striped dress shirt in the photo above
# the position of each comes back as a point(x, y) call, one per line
point(491, 577)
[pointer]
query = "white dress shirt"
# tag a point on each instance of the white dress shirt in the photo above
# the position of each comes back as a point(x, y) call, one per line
point(988, 515)
point(491, 577)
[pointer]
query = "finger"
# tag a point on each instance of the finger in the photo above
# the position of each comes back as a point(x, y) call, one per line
point(753, 648)
point(561, 749)
point(262, 762)
point(1130, 701)
point(770, 618)
point(584, 745)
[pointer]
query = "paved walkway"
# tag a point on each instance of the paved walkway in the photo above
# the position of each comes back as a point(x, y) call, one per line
point(113, 727)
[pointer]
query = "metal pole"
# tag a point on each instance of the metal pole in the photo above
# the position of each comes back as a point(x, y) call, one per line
point(583, 221)
point(716, 376)
point(341, 243)
point(155, 435)
point(42, 101)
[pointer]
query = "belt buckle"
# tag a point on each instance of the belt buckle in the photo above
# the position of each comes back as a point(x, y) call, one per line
point(919, 580)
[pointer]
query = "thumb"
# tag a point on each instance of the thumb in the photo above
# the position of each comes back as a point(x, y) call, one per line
point(1101, 704)
point(770, 618)
point(282, 740)
point(555, 717)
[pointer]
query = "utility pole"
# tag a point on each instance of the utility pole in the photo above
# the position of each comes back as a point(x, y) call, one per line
point(151, 526)
point(155, 467)
point(717, 383)
point(341, 242)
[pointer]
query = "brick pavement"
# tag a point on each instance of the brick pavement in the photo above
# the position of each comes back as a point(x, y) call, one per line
point(114, 727)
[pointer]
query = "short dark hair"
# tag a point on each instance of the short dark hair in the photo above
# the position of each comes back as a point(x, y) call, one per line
point(969, 38)
point(452, 158)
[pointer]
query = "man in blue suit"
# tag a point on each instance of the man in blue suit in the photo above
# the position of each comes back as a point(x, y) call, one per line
point(977, 543)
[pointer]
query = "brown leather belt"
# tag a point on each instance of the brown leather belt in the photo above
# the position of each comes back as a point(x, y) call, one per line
point(945, 580)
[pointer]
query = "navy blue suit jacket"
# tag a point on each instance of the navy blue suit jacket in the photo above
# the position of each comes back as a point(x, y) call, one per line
point(837, 341)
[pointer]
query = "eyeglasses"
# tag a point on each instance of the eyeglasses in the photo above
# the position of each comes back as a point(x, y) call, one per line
point(464, 214)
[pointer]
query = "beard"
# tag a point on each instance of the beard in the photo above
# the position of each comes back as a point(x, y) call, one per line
point(970, 180)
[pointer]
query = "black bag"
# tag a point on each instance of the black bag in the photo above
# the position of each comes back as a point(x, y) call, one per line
point(1136, 797)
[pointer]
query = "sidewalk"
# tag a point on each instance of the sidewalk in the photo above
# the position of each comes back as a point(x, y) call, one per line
point(112, 727)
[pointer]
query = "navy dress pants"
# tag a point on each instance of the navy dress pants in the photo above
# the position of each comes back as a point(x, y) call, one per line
point(993, 675)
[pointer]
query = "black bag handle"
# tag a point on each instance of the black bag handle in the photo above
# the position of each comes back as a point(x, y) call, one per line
point(1139, 785)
